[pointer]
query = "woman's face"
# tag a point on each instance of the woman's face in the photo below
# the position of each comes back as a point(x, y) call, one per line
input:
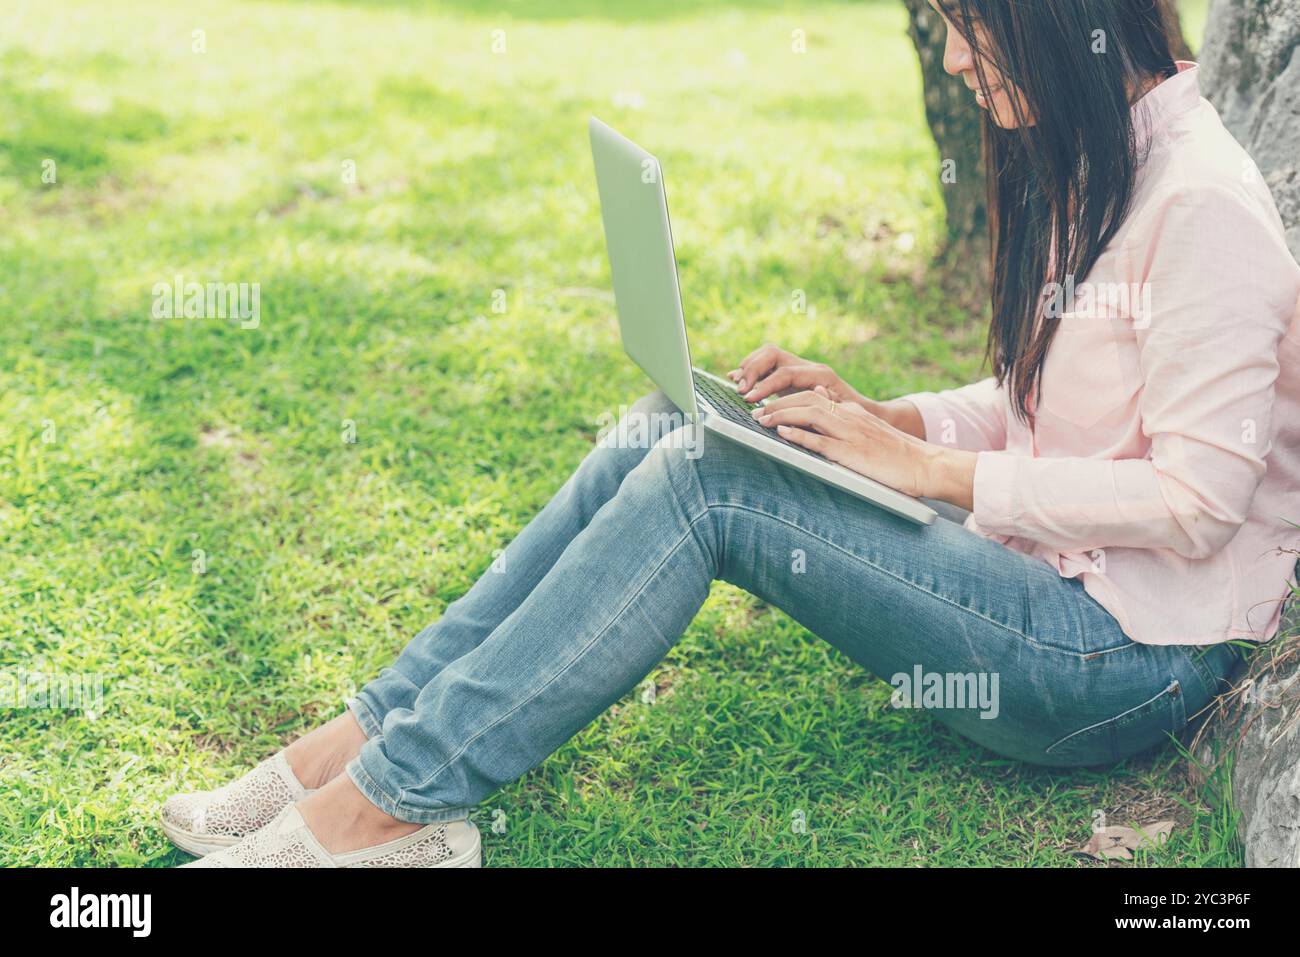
point(1001, 97)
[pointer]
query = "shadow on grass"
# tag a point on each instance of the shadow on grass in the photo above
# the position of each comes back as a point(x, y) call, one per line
point(42, 125)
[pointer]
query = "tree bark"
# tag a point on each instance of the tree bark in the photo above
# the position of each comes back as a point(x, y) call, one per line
point(963, 260)
point(1251, 72)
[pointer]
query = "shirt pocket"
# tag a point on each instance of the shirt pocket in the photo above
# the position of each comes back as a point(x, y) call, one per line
point(1090, 370)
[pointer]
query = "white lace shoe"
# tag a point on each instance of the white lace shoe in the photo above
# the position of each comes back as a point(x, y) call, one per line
point(288, 842)
point(207, 821)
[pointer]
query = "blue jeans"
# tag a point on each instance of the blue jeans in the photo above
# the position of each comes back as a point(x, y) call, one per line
point(592, 594)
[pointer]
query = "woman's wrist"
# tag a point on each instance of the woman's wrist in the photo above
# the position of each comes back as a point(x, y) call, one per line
point(901, 414)
point(950, 476)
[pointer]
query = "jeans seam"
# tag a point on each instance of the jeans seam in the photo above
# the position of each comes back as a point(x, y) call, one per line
point(396, 807)
point(925, 591)
point(690, 531)
point(365, 717)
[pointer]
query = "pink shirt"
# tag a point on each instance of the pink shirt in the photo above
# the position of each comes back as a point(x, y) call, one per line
point(1163, 462)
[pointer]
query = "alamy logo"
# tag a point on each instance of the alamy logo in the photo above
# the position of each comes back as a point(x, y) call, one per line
point(643, 430)
point(940, 691)
point(1098, 300)
point(75, 909)
point(214, 300)
point(56, 690)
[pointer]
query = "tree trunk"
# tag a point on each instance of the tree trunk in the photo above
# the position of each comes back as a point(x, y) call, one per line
point(1252, 74)
point(955, 123)
point(1251, 66)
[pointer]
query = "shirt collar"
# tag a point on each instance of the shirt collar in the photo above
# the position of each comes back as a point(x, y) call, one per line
point(1169, 99)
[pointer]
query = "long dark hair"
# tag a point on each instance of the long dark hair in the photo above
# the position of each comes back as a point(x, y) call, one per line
point(1059, 189)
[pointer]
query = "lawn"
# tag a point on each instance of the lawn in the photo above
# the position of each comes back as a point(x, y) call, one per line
point(235, 524)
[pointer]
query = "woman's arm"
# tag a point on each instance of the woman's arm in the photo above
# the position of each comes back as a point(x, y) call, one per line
point(972, 417)
point(850, 435)
point(1224, 291)
point(901, 413)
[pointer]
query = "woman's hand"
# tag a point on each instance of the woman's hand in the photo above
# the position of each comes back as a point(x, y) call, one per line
point(774, 371)
point(849, 435)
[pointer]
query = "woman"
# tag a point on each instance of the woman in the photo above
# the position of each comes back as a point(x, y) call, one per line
point(1128, 470)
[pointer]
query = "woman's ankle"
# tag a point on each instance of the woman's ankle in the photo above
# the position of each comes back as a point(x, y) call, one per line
point(343, 819)
point(324, 752)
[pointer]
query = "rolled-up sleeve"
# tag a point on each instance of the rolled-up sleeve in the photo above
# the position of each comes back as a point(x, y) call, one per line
point(1223, 291)
point(972, 417)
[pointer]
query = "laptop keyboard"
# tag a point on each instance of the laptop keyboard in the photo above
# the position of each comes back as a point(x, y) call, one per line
point(729, 404)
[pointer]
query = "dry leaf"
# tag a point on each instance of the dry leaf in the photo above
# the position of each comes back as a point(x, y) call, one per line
point(1118, 843)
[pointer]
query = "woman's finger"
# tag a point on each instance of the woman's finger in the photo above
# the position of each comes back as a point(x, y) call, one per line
point(810, 417)
point(751, 373)
point(794, 400)
point(824, 445)
point(778, 380)
point(758, 364)
point(799, 376)
point(765, 347)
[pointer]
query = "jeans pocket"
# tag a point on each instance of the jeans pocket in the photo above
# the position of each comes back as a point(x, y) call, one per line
point(1128, 733)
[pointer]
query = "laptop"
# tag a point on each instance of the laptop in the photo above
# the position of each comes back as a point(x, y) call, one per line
point(638, 237)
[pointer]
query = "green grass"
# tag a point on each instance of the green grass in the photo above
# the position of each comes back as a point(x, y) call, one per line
point(128, 444)
point(1193, 14)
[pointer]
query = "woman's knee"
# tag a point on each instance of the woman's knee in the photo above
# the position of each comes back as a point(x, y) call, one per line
point(703, 469)
point(641, 425)
point(656, 403)
point(668, 467)
point(624, 438)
